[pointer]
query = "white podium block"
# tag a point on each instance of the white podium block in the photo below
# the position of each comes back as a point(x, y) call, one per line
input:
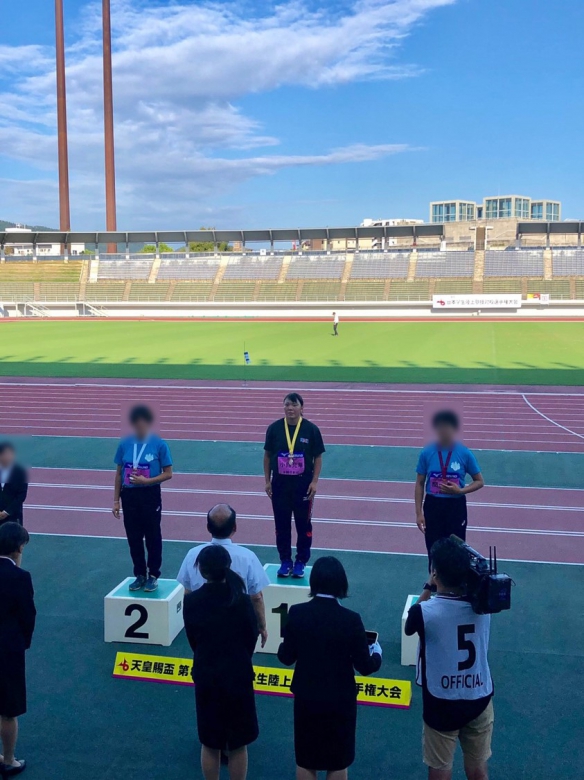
point(279, 596)
point(409, 644)
point(144, 618)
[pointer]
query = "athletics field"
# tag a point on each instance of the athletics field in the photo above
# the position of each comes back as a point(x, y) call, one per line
point(64, 391)
point(477, 352)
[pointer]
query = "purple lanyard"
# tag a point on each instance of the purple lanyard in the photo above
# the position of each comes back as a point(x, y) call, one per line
point(444, 466)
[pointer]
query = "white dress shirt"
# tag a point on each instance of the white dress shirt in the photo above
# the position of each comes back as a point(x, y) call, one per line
point(243, 561)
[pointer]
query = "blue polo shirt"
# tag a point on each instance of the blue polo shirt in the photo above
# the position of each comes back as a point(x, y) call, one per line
point(156, 454)
point(462, 462)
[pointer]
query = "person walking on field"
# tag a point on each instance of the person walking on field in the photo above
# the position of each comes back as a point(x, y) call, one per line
point(335, 324)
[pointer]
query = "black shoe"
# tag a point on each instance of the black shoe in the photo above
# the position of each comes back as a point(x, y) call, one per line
point(138, 583)
point(151, 584)
point(12, 771)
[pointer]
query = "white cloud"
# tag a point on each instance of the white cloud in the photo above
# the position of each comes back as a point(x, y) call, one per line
point(179, 71)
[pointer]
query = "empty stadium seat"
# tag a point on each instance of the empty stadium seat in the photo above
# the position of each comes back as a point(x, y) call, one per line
point(16, 292)
point(235, 291)
point(254, 267)
point(272, 291)
point(557, 289)
point(519, 262)
point(568, 262)
point(392, 265)
point(105, 291)
point(192, 268)
point(365, 291)
point(124, 269)
point(143, 291)
point(444, 264)
point(496, 286)
point(193, 291)
point(56, 291)
point(409, 291)
point(320, 291)
point(316, 267)
point(453, 286)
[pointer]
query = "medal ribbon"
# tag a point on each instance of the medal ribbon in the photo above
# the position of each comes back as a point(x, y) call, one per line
point(138, 455)
point(292, 442)
point(444, 466)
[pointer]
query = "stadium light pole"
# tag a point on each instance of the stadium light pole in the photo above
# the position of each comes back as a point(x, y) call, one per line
point(108, 118)
point(62, 140)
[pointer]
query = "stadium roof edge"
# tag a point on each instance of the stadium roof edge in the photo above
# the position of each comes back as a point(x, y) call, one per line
point(218, 236)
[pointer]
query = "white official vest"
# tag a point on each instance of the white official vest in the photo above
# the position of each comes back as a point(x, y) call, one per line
point(452, 655)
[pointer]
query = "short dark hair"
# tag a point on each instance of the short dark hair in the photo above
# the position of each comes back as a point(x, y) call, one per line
point(329, 577)
point(221, 529)
point(141, 412)
point(296, 398)
point(451, 562)
point(446, 417)
point(12, 537)
point(6, 446)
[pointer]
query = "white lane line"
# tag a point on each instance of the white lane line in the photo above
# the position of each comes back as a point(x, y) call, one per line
point(271, 547)
point(322, 479)
point(549, 419)
point(320, 521)
point(286, 387)
point(320, 496)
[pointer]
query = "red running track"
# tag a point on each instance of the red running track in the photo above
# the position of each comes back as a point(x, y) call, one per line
point(526, 524)
point(550, 420)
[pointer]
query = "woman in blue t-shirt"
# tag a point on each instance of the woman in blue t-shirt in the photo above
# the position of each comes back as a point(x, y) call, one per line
point(143, 463)
point(441, 477)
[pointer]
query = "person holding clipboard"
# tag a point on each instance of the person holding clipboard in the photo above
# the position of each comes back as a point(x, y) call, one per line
point(292, 464)
point(441, 489)
point(143, 463)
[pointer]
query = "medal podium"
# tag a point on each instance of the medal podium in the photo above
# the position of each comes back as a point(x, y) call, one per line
point(144, 618)
point(279, 596)
point(409, 644)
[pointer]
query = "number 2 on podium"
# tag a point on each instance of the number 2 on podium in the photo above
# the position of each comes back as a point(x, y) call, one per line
point(132, 632)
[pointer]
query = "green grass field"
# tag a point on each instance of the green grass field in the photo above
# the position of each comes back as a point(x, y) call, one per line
point(481, 351)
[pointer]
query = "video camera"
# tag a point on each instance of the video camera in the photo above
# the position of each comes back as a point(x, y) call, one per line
point(487, 591)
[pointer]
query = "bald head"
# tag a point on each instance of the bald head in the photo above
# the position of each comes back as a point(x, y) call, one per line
point(221, 521)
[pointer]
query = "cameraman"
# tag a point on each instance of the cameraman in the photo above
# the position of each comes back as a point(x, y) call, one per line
point(453, 670)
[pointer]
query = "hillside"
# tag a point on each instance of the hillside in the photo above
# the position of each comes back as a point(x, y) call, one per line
point(41, 228)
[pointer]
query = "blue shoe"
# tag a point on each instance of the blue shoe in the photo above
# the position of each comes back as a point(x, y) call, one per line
point(138, 583)
point(298, 570)
point(151, 584)
point(285, 569)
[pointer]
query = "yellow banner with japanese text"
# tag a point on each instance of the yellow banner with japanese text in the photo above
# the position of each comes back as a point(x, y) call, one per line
point(373, 691)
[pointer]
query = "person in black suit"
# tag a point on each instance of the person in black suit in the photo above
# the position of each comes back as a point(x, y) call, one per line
point(327, 643)
point(222, 629)
point(13, 486)
point(17, 620)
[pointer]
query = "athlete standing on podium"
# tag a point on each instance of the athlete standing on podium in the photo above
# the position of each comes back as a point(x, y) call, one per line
point(143, 463)
point(292, 464)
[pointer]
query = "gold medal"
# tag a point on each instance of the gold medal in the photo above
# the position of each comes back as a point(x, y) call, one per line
point(292, 441)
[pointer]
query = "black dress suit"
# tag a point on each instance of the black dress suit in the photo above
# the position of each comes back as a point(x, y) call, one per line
point(327, 642)
point(13, 495)
point(223, 639)
point(17, 621)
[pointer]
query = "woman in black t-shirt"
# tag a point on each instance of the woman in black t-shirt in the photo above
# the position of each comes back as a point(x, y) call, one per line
point(292, 464)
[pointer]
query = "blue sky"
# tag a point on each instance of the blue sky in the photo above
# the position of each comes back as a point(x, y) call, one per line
point(250, 114)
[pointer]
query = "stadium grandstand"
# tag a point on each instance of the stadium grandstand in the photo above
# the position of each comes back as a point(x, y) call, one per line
point(270, 275)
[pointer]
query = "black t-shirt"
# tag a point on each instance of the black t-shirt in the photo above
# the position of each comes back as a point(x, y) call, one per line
point(442, 714)
point(308, 443)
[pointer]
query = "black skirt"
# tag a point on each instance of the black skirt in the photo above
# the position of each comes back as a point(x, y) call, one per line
point(12, 684)
point(226, 721)
point(324, 734)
